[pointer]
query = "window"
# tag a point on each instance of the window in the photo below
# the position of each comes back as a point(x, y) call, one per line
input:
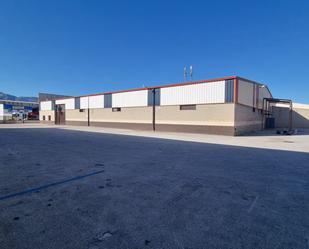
point(187, 107)
point(81, 110)
point(44, 117)
point(116, 109)
point(49, 118)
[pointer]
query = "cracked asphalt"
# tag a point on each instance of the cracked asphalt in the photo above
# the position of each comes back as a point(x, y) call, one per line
point(74, 189)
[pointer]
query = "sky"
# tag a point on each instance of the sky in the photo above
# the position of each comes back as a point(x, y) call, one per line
point(75, 47)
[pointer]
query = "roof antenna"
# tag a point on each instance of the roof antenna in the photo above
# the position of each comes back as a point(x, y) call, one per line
point(185, 73)
point(191, 72)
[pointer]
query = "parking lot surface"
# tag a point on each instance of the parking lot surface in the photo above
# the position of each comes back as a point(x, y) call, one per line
point(62, 188)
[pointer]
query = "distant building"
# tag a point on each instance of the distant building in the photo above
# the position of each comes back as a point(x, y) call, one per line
point(50, 96)
point(10, 109)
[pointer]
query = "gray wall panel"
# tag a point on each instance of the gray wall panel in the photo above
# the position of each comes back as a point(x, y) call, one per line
point(107, 100)
point(157, 96)
point(229, 91)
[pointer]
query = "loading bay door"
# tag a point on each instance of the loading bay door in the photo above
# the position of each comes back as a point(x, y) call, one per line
point(60, 114)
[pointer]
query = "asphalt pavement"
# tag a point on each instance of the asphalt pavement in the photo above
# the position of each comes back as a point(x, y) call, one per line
point(76, 189)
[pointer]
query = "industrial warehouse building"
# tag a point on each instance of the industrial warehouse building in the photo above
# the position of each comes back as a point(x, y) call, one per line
point(228, 105)
point(10, 108)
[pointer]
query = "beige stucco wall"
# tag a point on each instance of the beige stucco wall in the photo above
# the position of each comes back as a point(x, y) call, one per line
point(246, 120)
point(46, 114)
point(127, 114)
point(204, 115)
point(208, 114)
point(300, 117)
point(76, 115)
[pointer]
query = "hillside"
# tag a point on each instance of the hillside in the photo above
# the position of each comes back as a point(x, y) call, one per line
point(5, 96)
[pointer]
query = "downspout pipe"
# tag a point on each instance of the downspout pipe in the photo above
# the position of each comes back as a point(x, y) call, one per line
point(88, 115)
point(153, 109)
point(291, 117)
point(235, 91)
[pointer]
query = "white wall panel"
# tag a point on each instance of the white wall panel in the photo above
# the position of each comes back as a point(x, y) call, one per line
point(5, 114)
point(130, 99)
point(69, 103)
point(1, 112)
point(46, 105)
point(94, 102)
point(84, 103)
point(245, 92)
point(204, 93)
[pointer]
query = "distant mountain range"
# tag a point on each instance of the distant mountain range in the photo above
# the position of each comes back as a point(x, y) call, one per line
point(4, 96)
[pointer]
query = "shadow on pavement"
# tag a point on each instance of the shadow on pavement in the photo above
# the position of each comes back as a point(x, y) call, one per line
point(153, 193)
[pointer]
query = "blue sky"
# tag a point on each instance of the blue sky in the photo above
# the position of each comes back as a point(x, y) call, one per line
point(76, 47)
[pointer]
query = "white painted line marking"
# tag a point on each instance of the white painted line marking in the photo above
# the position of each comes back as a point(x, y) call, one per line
point(253, 204)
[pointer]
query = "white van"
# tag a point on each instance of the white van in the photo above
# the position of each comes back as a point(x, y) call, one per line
point(19, 115)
